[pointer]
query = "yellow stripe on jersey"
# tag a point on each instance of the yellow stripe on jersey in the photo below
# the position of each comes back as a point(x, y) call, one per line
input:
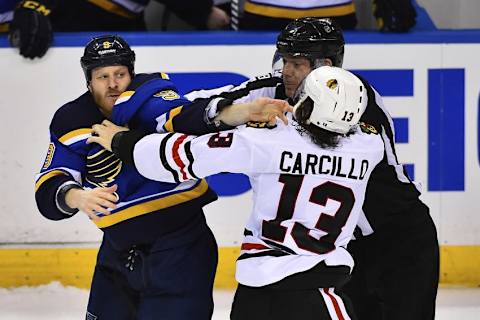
point(128, 93)
point(291, 13)
point(93, 156)
point(47, 176)
point(115, 162)
point(99, 162)
point(169, 125)
point(110, 174)
point(113, 8)
point(164, 76)
point(75, 133)
point(4, 27)
point(152, 206)
point(125, 96)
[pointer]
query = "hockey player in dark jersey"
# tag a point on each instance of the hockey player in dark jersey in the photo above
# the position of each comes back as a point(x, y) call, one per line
point(158, 257)
point(396, 250)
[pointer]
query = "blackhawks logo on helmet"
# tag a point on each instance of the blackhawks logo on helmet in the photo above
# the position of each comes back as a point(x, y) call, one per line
point(332, 84)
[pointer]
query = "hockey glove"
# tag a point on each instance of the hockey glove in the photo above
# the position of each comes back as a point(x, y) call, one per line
point(394, 15)
point(30, 29)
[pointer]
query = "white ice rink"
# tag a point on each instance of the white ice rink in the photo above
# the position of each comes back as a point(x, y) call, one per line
point(55, 302)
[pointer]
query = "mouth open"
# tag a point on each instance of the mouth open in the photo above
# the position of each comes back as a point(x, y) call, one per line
point(113, 96)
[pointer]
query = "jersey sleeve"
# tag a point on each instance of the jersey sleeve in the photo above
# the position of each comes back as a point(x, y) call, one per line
point(208, 93)
point(174, 157)
point(198, 117)
point(144, 104)
point(63, 163)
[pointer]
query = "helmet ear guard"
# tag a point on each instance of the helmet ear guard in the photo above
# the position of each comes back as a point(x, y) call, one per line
point(107, 50)
point(339, 99)
point(277, 63)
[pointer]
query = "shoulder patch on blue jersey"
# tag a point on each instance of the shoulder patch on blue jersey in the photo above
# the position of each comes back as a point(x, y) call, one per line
point(367, 128)
point(49, 157)
point(259, 125)
point(167, 95)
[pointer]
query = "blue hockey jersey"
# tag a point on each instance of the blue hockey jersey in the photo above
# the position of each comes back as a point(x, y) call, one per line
point(146, 209)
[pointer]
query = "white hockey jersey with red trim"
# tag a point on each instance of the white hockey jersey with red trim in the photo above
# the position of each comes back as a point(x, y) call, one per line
point(307, 199)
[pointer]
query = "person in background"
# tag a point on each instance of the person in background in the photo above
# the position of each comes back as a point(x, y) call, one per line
point(309, 179)
point(6, 14)
point(34, 21)
point(391, 15)
point(396, 247)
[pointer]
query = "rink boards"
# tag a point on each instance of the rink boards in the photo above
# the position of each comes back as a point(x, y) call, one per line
point(430, 83)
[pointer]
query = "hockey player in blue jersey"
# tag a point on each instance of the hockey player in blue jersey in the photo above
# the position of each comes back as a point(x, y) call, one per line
point(158, 257)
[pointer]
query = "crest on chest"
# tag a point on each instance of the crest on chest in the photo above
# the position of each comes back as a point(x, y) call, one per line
point(102, 168)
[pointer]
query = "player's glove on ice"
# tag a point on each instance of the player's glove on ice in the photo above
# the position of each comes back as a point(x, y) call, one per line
point(394, 15)
point(30, 29)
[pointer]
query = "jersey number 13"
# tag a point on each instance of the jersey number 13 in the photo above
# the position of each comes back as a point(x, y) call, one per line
point(331, 224)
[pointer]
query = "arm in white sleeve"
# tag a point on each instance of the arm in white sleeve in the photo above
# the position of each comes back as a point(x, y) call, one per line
point(175, 157)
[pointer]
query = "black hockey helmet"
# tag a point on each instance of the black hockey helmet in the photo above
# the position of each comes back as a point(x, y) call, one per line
point(107, 50)
point(312, 38)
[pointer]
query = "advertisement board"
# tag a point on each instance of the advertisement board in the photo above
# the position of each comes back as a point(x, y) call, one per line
point(430, 84)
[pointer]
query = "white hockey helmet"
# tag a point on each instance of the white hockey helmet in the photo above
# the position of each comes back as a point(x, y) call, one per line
point(339, 98)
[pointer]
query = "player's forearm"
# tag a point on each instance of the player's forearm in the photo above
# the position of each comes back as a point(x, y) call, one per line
point(260, 110)
point(147, 153)
point(199, 117)
point(123, 145)
point(234, 115)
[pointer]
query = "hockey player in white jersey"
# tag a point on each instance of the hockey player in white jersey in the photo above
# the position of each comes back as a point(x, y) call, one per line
point(309, 180)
